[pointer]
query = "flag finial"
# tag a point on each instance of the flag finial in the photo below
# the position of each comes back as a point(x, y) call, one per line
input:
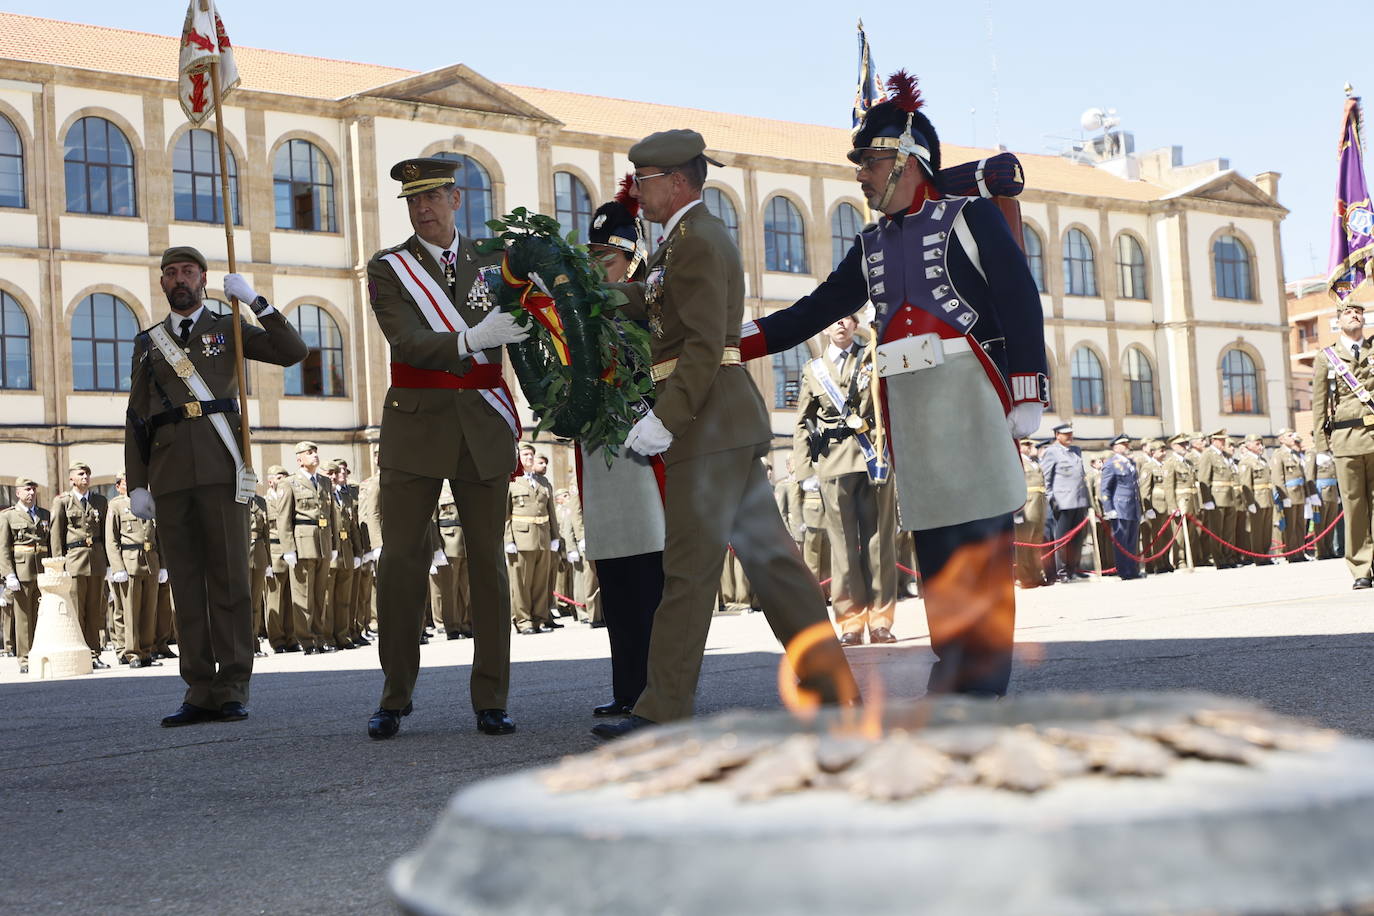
point(1349, 90)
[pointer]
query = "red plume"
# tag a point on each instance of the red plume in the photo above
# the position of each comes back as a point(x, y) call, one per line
point(624, 198)
point(902, 91)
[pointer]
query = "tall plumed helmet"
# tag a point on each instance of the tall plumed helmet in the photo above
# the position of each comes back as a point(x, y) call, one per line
point(898, 124)
point(616, 224)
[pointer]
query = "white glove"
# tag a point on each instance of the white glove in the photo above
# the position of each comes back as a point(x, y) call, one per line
point(1018, 518)
point(1024, 419)
point(270, 574)
point(1111, 516)
point(1209, 505)
point(333, 555)
point(238, 288)
point(1307, 512)
point(12, 582)
point(141, 503)
point(554, 545)
point(433, 570)
point(1253, 508)
point(574, 556)
point(162, 577)
point(1150, 514)
point(373, 555)
point(1287, 503)
point(1314, 500)
point(811, 484)
point(109, 575)
point(649, 436)
point(440, 559)
point(289, 558)
point(119, 577)
point(581, 545)
point(511, 548)
point(495, 330)
point(357, 561)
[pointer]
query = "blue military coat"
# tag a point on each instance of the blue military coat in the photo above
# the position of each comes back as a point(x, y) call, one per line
point(1120, 488)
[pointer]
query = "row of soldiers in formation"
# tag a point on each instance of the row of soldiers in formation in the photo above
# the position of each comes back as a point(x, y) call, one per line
point(1256, 506)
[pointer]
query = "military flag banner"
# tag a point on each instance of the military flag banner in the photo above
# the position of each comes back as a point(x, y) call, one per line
point(869, 91)
point(1352, 229)
point(203, 42)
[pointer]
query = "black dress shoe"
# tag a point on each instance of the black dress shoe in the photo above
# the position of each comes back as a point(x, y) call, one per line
point(321, 650)
point(310, 650)
point(385, 723)
point(424, 640)
point(527, 631)
point(551, 625)
point(167, 653)
point(454, 634)
point(233, 712)
point(97, 664)
point(494, 722)
point(23, 667)
point(613, 708)
point(849, 640)
point(360, 643)
point(258, 653)
point(465, 634)
point(134, 662)
point(612, 730)
point(294, 647)
point(344, 645)
point(881, 635)
point(124, 659)
point(1363, 582)
point(188, 714)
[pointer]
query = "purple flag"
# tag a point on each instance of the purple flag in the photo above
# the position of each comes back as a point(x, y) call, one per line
point(1352, 230)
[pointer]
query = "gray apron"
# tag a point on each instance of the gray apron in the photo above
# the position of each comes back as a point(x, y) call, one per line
point(622, 511)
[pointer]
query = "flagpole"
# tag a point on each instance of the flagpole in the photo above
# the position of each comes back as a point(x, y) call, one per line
point(233, 264)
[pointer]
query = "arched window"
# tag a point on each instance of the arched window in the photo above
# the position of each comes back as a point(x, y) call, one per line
point(1080, 272)
point(1240, 390)
point(784, 237)
point(787, 374)
point(195, 179)
point(1140, 383)
point(303, 187)
point(477, 205)
point(1089, 391)
point(1035, 255)
point(99, 169)
point(1231, 263)
point(845, 224)
point(11, 165)
point(572, 204)
point(103, 329)
point(1130, 268)
point(16, 350)
point(722, 209)
point(321, 374)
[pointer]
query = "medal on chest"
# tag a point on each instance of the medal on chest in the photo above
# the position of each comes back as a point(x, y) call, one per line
point(211, 344)
point(479, 296)
point(653, 299)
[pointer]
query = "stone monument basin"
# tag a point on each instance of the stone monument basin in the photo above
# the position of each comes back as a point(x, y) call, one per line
point(1041, 804)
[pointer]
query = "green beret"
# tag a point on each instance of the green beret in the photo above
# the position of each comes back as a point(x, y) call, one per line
point(670, 148)
point(419, 175)
point(305, 445)
point(182, 254)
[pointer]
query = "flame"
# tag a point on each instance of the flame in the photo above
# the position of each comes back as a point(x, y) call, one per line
point(813, 666)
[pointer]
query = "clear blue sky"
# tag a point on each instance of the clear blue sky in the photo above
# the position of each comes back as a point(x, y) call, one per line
point(1258, 83)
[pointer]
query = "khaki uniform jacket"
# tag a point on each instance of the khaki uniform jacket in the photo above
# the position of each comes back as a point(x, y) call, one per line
point(426, 430)
point(259, 534)
point(1153, 494)
point(82, 529)
point(1216, 478)
point(531, 523)
point(274, 549)
point(570, 525)
point(450, 530)
point(1334, 401)
point(1037, 502)
point(130, 542)
point(189, 453)
point(1180, 479)
point(1285, 465)
point(348, 533)
point(787, 494)
point(1253, 477)
point(841, 456)
point(812, 508)
point(706, 406)
point(306, 521)
point(23, 542)
point(1320, 466)
point(370, 513)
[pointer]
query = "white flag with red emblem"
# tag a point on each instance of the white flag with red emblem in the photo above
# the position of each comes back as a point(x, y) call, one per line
point(203, 42)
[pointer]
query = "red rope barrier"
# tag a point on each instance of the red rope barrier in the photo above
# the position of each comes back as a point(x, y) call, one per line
point(570, 601)
point(1152, 557)
point(1268, 556)
point(1047, 546)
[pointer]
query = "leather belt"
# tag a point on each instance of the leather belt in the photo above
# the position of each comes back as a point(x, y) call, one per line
point(312, 522)
point(1357, 423)
point(192, 410)
point(274, 540)
point(71, 545)
point(481, 375)
point(730, 356)
point(135, 545)
point(454, 523)
point(537, 519)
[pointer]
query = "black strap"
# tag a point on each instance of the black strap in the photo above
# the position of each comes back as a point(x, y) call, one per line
point(72, 545)
point(1348, 424)
point(450, 523)
point(127, 545)
point(177, 414)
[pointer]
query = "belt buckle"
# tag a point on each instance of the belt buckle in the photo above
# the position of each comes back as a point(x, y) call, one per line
point(909, 354)
point(147, 545)
point(90, 542)
point(324, 523)
point(192, 410)
point(343, 535)
point(1368, 419)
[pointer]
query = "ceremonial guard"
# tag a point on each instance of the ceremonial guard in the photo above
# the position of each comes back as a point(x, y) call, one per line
point(531, 539)
point(181, 447)
point(449, 583)
point(1256, 499)
point(259, 566)
point(1290, 489)
point(1154, 503)
point(78, 534)
point(832, 442)
point(131, 548)
point(1215, 478)
point(1343, 414)
point(1030, 521)
point(711, 426)
point(447, 416)
point(1320, 468)
point(343, 569)
point(23, 547)
point(309, 528)
point(962, 357)
point(1066, 481)
point(1119, 488)
point(281, 627)
point(1180, 488)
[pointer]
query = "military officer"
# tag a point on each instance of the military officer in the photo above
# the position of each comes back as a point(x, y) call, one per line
point(1343, 414)
point(281, 627)
point(1153, 503)
point(1256, 498)
point(531, 540)
point(1119, 488)
point(1180, 489)
point(259, 567)
point(1066, 482)
point(815, 543)
point(1320, 468)
point(787, 494)
point(583, 586)
point(835, 418)
point(346, 560)
point(23, 547)
point(308, 525)
point(78, 534)
point(131, 548)
point(185, 456)
point(1030, 521)
point(447, 416)
point(1214, 478)
point(1290, 492)
point(558, 561)
point(449, 582)
point(710, 424)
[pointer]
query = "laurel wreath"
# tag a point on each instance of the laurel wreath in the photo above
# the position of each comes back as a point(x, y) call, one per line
point(599, 393)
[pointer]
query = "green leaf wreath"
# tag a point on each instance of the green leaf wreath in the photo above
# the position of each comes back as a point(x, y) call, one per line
point(599, 394)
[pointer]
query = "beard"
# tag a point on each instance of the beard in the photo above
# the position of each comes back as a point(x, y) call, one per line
point(182, 298)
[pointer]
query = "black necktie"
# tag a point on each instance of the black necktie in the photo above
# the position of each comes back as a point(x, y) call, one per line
point(185, 331)
point(1355, 352)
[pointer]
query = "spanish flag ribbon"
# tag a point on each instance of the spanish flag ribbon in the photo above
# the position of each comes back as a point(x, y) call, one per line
point(535, 300)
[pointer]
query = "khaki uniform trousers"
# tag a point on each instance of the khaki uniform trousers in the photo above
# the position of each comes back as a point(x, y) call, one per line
point(92, 601)
point(339, 602)
point(861, 526)
point(529, 586)
point(136, 601)
point(1222, 522)
point(1259, 532)
point(281, 631)
point(816, 554)
point(166, 619)
point(1294, 530)
point(24, 612)
point(1355, 476)
point(448, 596)
point(1030, 569)
point(713, 500)
point(407, 503)
point(364, 602)
point(1149, 530)
point(309, 600)
point(1187, 551)
point(257, 592)
point(588, 591)
point(734, 585)
point(1331, 507)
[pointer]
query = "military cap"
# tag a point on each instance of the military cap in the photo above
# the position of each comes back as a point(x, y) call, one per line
point(669, 148)
point(79, 466)
point(561, 491)
point(898, 124)
point(329, 467)
point(1065, 427)
point(1027, 441)
point(305, 445)
point(341, 462)
point(1180, 437)
point(120, 475)
point(1041, 443)
point(1155, 445)
point(1217, 434)
point(275, 470)
point(419, 175)
point(1285, 432)
point(1254, 437)
point(1122, 438)
point(1350, 304)
point(182, 254)
point(25, 482)
point(615, 223)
